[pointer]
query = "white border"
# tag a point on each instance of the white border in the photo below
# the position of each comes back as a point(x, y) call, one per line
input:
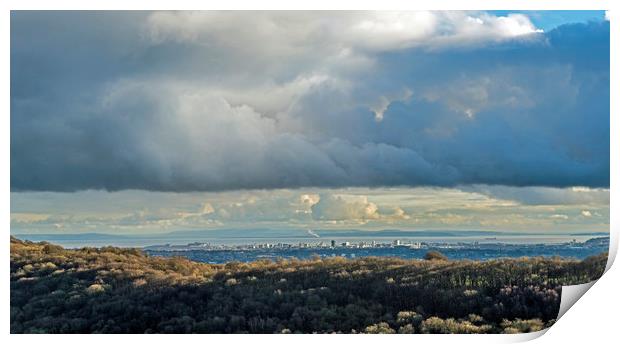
point(592, 319)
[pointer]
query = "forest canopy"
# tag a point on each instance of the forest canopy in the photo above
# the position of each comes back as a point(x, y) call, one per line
point(114, 290)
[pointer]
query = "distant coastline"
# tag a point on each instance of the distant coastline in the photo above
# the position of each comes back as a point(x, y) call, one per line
point(205, 246)
point(250, 234)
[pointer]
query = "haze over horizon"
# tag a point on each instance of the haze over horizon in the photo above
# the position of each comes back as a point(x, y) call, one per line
point(147, 122)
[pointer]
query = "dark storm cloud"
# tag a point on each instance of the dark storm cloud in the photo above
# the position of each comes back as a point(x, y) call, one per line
point(110, 101)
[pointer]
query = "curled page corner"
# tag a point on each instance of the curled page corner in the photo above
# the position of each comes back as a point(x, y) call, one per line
point(570, 295)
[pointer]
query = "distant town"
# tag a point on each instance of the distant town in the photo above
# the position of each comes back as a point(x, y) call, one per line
point(279, 245)
point(477, 250)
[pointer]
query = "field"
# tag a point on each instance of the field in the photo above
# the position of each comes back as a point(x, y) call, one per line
point(113, 290)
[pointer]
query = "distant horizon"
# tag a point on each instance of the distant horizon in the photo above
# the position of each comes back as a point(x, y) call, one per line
point(326, 231)
point(238, 237)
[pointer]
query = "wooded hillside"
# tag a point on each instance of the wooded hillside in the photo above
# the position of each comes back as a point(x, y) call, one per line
point(113, 290)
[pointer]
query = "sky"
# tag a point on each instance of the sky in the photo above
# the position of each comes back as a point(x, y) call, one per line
point(145, 122)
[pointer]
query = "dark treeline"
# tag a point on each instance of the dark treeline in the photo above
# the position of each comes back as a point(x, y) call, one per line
point(112, 290)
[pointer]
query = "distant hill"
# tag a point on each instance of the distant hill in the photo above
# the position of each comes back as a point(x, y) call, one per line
point(66, 236)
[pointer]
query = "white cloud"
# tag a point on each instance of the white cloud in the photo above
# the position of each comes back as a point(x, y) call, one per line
point(323, 208)
point(309, 199)
point(28, 218)
point(396, 28)
point(469, 94)
point(284, 55)
point(384, 102)
point(270, 97)
point(399, 214)
point(207, 208)
point(286, 34)
point(355, 208)
point(535, 195)
point(344, 207)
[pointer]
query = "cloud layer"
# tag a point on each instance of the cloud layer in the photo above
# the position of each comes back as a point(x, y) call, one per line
point(207, 101)
point(480, 207)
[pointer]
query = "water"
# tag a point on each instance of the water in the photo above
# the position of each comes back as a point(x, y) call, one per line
point(480, 252)
point(225, 249)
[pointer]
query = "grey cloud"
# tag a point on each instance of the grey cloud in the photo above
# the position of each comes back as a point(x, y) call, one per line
point(115, 105)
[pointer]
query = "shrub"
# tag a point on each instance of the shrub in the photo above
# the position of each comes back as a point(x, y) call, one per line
point(380, 328)
point(409, 317)
point(435, 255)
point(95, 288)
point(231, 282)
point(52, 249)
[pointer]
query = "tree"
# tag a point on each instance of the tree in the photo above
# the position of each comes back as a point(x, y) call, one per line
point(435, 255)
point(380, 328)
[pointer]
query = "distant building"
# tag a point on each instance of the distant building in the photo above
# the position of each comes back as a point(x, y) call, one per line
point(397, 242)
point(333, 243)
